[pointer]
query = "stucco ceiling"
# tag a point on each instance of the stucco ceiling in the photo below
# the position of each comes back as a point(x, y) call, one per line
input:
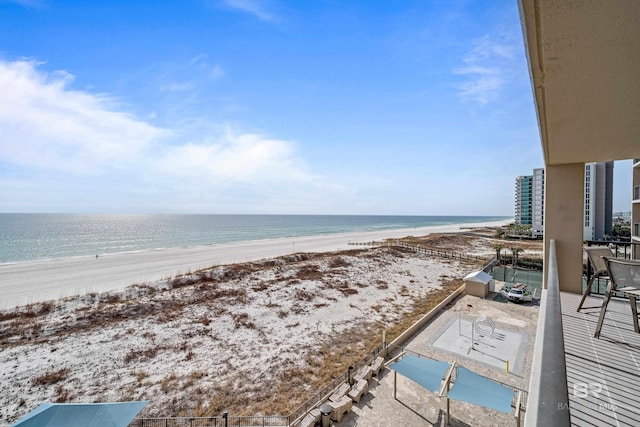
point(584, 60)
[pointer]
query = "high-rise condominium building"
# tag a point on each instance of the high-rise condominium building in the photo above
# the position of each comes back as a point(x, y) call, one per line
point(598, 200)
point(524, 200)
point(538, 203)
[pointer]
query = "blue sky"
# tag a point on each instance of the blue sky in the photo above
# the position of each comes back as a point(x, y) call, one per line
point(249, 106)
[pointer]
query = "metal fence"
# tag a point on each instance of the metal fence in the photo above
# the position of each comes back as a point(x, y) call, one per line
point(327, 390)
point(220, 421)
point(262, 421)
point(320, 396)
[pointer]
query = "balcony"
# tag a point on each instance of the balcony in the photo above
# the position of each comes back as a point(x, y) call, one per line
point(578, 379)
point(602, 374)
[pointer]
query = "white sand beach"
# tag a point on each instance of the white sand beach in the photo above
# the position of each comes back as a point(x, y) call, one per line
point(31, 282)
point(251, 338)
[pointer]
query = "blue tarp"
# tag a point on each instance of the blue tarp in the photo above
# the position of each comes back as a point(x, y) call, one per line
point(473, 388)
point(427, 373)
point(117, 414)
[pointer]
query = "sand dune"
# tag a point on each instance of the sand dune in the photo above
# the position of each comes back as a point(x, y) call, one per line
point(31, 282)
point(250, 338)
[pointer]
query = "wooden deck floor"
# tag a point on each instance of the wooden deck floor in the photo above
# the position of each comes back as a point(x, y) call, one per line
point(603, 375)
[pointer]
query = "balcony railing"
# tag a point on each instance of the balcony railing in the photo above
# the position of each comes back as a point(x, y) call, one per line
point(548, 402)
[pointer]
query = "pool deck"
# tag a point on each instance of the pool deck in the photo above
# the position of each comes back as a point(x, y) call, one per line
point(439, 339)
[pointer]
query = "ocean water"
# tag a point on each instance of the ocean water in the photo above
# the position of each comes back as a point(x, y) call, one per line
point(26, 237)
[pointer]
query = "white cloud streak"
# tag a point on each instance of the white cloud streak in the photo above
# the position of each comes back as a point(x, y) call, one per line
point(46, 128)
point(254, 7)
point(46, 125)
point(27, 3)
point(488, 67)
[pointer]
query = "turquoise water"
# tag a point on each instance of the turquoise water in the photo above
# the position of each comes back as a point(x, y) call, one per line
point(26, 237)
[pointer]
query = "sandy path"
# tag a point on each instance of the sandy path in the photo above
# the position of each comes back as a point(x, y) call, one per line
point(35, 281)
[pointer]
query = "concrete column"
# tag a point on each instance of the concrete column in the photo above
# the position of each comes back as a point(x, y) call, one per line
point(564, 222)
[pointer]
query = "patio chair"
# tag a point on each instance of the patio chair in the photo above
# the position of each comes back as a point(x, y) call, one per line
point(377, 365)
point(624, 278)
point(340, 392)
point(595, 257)
point(364, 372)
point(339, 408)
point(358, 390)
point(311, 418)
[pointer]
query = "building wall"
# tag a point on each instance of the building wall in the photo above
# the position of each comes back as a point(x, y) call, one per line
point(564, 195)
point(597, 206)
point(524, 200)
point(589, 220)
point(635, 209)
point(538, 202)
point(598, 200)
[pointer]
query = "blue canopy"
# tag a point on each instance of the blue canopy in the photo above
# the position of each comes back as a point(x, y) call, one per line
point(473, 388)
point(117, 414)
point(428, 373)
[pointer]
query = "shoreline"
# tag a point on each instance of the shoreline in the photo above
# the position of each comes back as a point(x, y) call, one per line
point(30, 282)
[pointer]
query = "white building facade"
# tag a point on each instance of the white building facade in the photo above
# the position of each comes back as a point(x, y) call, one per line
point(537, 226)
point(635, 210)
point(598, 201)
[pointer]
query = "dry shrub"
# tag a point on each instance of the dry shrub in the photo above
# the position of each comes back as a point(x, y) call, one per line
point(168, 382)
point(111, 298)
point(241, 320)
point(263, 286)
point(62, 395)
point(140, 375)
point(309, 272)
point(304, 295)
point(298, 309)
point(381, 284)
point(238, 271)
point(46, 308)
point(139, 354)
point(232, 295)
point(51, 377)
point(282, 314)
point(339, 262)
point(348, 291)
point(323, 363)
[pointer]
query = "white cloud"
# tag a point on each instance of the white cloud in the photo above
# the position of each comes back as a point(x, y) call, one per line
point(488, 67)
point(232, 157)
point(27, 3)
point(254, 7)
point(51, 135)
point(47, 125)
point(190, 75)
